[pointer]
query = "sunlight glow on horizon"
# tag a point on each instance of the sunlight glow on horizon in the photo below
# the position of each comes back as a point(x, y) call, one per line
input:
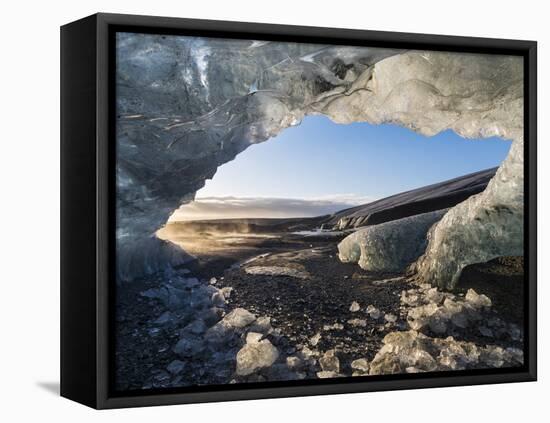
point(321, 159)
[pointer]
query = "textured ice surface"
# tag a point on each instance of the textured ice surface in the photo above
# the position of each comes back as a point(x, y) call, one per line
point(389, 246)
point(414, 352)
point(485, 226)
point(187, 105)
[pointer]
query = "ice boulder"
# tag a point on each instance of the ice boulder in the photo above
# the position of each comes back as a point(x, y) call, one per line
point(255, 355)
point(390, 246)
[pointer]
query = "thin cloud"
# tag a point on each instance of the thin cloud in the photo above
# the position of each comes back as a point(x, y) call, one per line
point(265, 207)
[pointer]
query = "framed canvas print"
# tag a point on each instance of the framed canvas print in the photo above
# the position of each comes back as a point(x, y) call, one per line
point(254, 211)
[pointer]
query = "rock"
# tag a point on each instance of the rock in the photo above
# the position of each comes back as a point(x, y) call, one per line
point(191, 282)
point(329, 362)
point(373, 312)
point(493, 356)
point(515, 332)
point(460, 320)
point(456, 355)
point(361, 364)
point(494, 322)
point(254, 356)
point(314, 340)
point(262, 325)
point(218, 300)
point(402, 350)
point(238, 318)
point(196, 327)
point(434, 296)
point(358, 323)
point(308, 353)
point(410, 298)
point(515, 354)
point(211, 315)
point(457, 312)
point(334, 326)
point(164, 318)
point(280, 371)
point(438, 323)
point(293, 363)
point(405, 350)
point(252, 337)
point(151, 293)
point(189, 346)
point(219, 334)
point(161, 377)
point(226, 292)
point(173, 298)
point(485, 331)
point(176, 367)
point(390, 318)
point(328, 375)
point(477, 300)
point(354, 307)
point(213, 281)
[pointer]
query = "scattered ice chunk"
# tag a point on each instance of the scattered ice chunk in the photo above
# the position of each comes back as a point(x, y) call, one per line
point(239, 318)
point(277, 271)
point(358, 323)
point(176, 367)
point(360, 364)
point(254, 356)
point(354, 307)
point(390, 318)
point(329, 362)
point(373, 312)
point(477, 300)
point(314, 340)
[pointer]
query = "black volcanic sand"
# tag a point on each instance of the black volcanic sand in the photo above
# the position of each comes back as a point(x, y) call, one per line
point(141, 347)
point(299, 308)
point(302, 308)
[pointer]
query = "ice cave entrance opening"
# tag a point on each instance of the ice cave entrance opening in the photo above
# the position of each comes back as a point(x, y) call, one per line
point(320, 167)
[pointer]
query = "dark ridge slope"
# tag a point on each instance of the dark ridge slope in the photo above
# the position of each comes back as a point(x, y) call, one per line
point(429, 198)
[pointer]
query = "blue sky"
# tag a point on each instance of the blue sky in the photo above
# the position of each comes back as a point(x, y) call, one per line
point(329, 167)
point(319, 158)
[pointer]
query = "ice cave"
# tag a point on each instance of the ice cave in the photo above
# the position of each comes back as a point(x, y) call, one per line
point(201, 104)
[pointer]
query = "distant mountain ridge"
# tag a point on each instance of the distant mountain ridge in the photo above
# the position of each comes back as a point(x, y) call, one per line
point(433, 197)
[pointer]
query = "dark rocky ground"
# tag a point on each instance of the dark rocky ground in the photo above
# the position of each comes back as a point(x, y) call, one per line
point(320, 304)
point(502, 280)
point(315, 316)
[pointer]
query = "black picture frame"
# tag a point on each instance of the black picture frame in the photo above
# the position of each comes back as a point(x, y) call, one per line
point(87, 207)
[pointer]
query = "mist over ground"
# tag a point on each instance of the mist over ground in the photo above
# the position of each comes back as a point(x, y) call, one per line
point(264, 207)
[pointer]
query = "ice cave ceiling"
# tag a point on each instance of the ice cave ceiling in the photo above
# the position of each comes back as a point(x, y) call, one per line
point(187, 105)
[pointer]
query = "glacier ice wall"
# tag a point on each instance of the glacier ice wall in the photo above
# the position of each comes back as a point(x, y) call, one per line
point(475, 96)
point(187, 105)
point(389, 246)
point(485, 226)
